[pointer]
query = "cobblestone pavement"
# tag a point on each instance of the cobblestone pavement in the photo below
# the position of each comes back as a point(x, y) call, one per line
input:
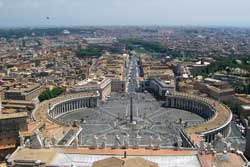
point(111, 118)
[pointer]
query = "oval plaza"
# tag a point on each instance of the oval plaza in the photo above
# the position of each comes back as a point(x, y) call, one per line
point(216, 115)
point(156, 123)
point(81, 128)
point(211, 129)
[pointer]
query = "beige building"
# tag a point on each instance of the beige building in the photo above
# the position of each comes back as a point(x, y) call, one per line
point(216, 89)
point(118, 86)
point(233, 79)
point(165, 73)
point(153, 68)
point(242, 99)
point(26, 91)
point(105, 88)
point(100, 85)
point(111, 66)
point(159, 87)
point(10, 126)
point(18, 105)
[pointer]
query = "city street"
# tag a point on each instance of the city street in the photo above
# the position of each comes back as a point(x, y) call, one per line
point(133, 83)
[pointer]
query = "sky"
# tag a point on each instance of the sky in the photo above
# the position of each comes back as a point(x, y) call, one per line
point(33, 13)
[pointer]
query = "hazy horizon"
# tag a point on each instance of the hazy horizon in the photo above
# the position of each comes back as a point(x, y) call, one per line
point(70, 13)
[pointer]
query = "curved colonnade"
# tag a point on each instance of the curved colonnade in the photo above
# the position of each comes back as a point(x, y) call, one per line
point(50, 110)
point(72, 104)
point(217, 115)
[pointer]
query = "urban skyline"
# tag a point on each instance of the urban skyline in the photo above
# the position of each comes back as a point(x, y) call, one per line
point(118, 83)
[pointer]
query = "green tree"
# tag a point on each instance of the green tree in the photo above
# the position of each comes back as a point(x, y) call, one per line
point(88, 52)
point(49, 94)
